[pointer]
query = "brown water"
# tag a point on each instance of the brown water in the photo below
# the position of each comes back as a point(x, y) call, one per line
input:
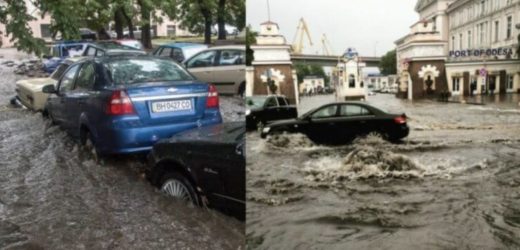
point(53, 196)
point(454, 183)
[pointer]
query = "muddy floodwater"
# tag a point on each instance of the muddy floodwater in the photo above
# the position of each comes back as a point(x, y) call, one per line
point(454, 183)
point(53, 196)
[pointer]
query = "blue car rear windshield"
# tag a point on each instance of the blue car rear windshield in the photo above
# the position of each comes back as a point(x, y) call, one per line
point(143, 70)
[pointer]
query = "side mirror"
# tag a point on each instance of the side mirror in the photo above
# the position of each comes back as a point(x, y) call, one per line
point(49, 89)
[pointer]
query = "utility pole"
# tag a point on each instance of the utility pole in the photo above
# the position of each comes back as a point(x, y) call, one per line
point(375, 49)
point(268, 11)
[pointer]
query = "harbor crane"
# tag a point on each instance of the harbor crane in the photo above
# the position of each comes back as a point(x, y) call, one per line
point(327, 47)
point(300, 33)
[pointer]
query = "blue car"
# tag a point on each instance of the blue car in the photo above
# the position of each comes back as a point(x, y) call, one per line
point(179, 51)
point(125, 104)
point(59, 52)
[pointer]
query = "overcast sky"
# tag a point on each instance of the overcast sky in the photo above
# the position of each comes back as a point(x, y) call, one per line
point(347, 23)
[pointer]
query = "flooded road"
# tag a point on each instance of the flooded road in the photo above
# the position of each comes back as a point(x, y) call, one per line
point(53, 196)
point(454, 183)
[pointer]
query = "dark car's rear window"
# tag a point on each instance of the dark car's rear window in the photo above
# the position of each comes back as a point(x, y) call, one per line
point(126, 71)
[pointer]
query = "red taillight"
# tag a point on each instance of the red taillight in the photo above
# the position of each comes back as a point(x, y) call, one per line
point(120, 104)
point(212, 101)
point(400, 120)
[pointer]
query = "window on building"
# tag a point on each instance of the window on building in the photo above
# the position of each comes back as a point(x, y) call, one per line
point(171, 30)
point(46, 30)
point(456, 84)
point(509, 27)
point(469, 39)
point(351, 81)
point(460, 41)
point(453, 43)
point(497, 31)
point(482, 7)
point(510, 82)
point(496, 4)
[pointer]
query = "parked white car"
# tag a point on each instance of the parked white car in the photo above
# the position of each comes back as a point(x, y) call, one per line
point(29, 91)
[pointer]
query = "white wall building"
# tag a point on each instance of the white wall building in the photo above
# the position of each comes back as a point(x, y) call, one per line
point(483, 37)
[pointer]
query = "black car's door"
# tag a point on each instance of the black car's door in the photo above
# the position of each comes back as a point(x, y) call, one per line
point(233, 176)
point(78, 98)
point(355, 121)
point(323, 124)
point(284, 111)
point(271, 110)
point(60, 102)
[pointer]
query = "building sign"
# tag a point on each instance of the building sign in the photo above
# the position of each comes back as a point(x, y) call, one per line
point(482, 52)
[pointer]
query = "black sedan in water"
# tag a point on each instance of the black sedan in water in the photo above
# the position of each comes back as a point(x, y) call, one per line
point(340, 123)
point(203, 166)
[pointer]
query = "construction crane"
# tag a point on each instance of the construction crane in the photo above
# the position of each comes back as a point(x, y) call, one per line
point(327, 47)
point(300, 32)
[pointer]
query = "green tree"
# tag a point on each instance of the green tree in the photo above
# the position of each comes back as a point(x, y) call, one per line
point(15, 18)
point(250, 40)
point(388, 64)
point(197, 16)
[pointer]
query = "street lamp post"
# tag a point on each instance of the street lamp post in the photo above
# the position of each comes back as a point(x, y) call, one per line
point(375, 49)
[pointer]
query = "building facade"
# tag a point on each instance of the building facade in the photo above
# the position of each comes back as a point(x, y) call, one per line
point(482, 47)
point(312, 84)
point(41, 26)
point(461, 46)
point(381, 82)
point(272, 62)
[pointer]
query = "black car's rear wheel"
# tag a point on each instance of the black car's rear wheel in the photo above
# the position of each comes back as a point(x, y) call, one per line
point(177, 186)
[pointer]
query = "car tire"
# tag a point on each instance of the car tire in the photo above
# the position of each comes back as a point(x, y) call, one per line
point(176, 185)
point(260, 125)
point(90, 148)
point(242, 91)
point(49, 115)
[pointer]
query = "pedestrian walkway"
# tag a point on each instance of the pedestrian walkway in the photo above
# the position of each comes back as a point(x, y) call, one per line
point(510, 100)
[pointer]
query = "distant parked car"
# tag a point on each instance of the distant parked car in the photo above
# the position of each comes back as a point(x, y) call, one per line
point(261, 110)
point(61, 51)
point(340, 123)
point(125, 104)
point(29, 91)
point(223, 66)
point(230, 30)
point(179, 51)
point(206, 164)
point(110, 49)
point(87, 34)
point(137, 32)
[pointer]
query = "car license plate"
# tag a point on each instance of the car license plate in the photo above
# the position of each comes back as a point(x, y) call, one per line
point(170, 106)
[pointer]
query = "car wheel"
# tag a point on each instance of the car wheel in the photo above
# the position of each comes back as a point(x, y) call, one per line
point(49, 115)
point(91, 148)
point(177, 186)
point(381, 135)
point(260, 125)
point(242, 91)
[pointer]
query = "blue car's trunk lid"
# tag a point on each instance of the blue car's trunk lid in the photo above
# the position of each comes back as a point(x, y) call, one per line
point(157, 103)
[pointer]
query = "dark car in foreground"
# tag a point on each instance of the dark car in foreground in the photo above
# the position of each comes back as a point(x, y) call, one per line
point(261, 110)
point(203, 166)
point(340, 123)
point(125, 104)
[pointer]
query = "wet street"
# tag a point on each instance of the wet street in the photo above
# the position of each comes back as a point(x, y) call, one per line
point(53, 196)
point(453, 183)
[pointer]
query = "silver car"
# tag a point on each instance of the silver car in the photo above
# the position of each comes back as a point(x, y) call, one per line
point(222, 66)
